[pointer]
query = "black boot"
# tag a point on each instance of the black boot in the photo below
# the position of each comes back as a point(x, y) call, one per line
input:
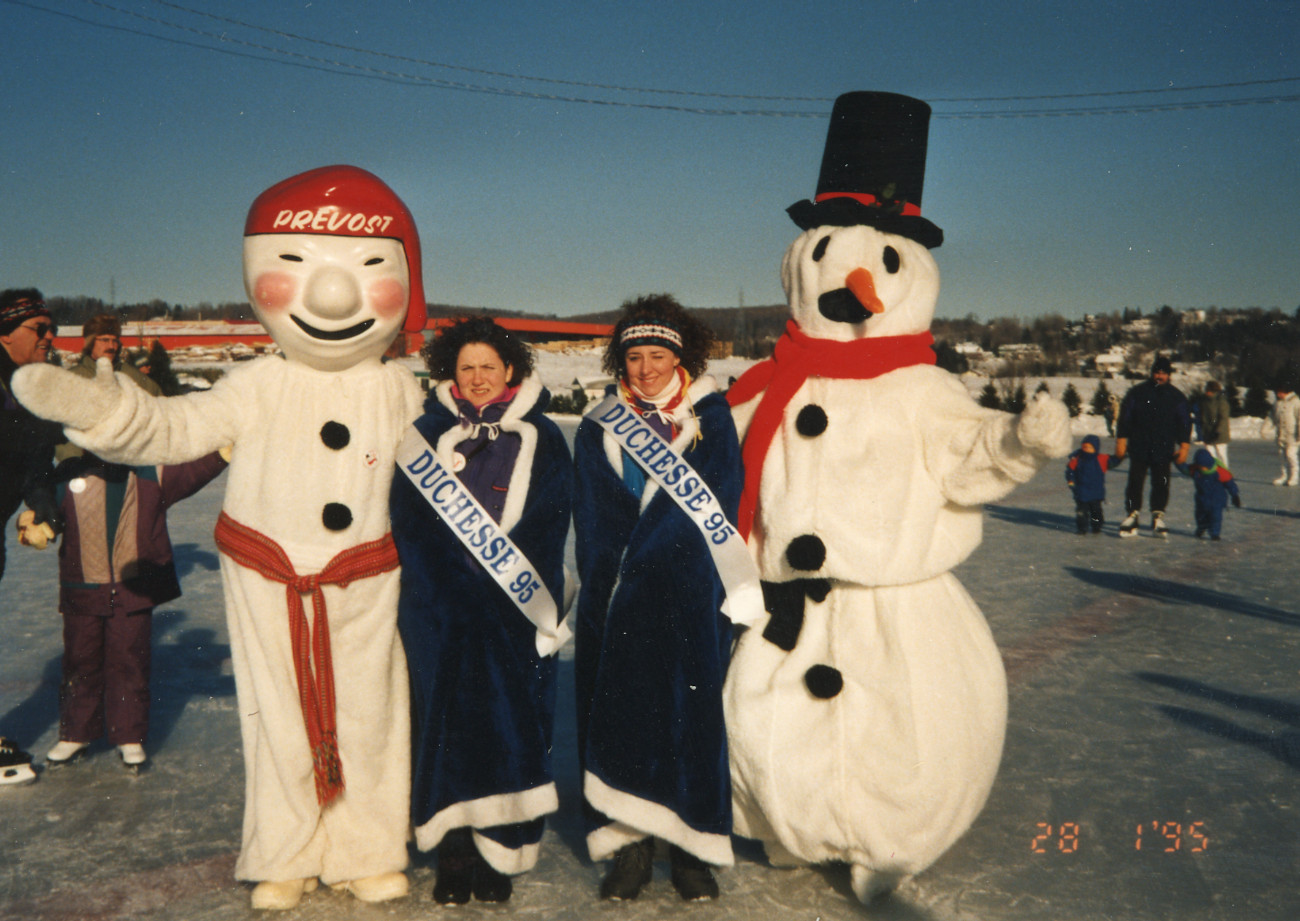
point(489, 885)
point(691, 876)
point(633, 867)
point(456, 859)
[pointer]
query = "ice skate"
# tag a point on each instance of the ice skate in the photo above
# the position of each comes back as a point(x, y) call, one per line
point(282, 894)
point(692, 877)
point(1158, 526)
point(15, 764)
point(65, 752)
point(1129, 526)
point(633, 868)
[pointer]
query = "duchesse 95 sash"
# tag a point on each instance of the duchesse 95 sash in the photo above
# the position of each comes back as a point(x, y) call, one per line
point(736, 568)
point(485, 540)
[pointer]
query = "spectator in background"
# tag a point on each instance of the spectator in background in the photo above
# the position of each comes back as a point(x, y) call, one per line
point(26, 449)
point(103, 335)
point(1214, 413)
point(1154, 427)
point(1286, 422)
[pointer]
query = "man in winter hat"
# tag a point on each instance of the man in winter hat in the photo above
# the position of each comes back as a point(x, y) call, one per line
point(1154, 429)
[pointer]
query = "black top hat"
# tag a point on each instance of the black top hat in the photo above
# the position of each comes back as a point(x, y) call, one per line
point(873, 169)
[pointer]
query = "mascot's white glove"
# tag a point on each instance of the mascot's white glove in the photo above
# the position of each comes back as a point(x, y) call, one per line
point(34, 535)
point(1044, 426)
point(62, 396)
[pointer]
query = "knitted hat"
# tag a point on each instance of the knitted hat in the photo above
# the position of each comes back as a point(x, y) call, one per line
point(1092, 440)
point(1204, 459)
point(651, 332)
point(19, 304)
point(1162, 363)
point(343, 201)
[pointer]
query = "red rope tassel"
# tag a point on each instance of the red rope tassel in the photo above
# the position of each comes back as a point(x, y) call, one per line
point(263, 555)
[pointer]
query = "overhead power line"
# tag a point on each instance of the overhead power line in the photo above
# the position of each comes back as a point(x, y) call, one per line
point(280, 55)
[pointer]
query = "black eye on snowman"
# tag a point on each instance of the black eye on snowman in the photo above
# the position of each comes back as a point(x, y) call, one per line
point(290, 257)
point(820, 249)
point(892, 260)
point(374, 260)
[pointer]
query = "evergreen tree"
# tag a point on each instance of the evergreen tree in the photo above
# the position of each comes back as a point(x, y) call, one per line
point(1043, 388)
point(1016, 402)
point(1257, 403)
point(1101, 400)
point(1073, 402)
point(989, 397)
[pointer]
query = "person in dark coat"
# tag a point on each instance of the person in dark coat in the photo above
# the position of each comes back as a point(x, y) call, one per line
point(483, 678)
point(1154, 429)
point(1085, 474)
point(652, 640)
point(1214, 415)
point(26, 453)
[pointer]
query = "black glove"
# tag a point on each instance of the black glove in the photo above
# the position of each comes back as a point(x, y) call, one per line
point(1236, 501)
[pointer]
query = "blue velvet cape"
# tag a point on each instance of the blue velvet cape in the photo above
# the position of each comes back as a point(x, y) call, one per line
point(483, 701)
point(652, 648)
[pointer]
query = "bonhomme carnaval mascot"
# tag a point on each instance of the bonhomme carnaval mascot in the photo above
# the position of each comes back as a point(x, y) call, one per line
point(866, 715)
point(332, 267)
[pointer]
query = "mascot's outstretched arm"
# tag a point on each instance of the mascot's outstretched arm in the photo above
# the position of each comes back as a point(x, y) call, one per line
point(118, 421)
point(992, 452)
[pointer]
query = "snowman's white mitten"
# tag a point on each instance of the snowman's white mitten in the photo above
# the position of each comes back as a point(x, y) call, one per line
point(77, 402)
point(1044, 426)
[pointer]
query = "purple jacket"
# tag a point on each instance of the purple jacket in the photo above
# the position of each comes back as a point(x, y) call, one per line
point(132, 570)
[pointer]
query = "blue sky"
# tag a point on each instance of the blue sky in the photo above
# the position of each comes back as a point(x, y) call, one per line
point(136, 137)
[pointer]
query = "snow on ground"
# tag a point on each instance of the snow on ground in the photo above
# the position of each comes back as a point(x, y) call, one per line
point(1149, 771)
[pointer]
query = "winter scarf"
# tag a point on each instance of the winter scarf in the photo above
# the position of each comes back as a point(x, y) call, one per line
point(798, 357)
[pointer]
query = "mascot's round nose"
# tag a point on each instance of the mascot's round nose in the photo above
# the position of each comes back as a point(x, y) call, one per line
point(332, 293)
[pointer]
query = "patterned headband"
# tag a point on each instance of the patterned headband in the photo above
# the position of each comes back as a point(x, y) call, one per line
point(651, 334)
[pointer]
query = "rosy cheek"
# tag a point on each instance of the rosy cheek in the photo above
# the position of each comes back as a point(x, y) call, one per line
point(274, 290)
point(387, 297)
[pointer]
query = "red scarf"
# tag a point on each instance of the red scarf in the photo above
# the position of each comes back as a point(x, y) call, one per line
point(256, 551)
point(798, 357)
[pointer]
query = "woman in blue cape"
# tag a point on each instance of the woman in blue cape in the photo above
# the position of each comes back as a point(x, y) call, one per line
point(482, 677)
point(652, 641)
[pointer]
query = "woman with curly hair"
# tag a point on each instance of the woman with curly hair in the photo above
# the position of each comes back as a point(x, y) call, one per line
point(652, 640)
point(482, 683)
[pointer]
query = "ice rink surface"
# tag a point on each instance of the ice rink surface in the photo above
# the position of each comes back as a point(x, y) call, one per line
point(1150, 771)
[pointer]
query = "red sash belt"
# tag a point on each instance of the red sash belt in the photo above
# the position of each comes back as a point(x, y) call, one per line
point(261, 554)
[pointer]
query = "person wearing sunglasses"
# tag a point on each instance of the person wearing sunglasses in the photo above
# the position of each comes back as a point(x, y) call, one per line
point(26, 451)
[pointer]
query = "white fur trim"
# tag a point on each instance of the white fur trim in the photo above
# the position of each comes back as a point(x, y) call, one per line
point(487, 812)
point(636, 818)
point(530, 392)
point(507, 860)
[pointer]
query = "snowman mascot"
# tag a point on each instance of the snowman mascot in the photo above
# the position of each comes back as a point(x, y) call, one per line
point(866, 715)
point(332, 267)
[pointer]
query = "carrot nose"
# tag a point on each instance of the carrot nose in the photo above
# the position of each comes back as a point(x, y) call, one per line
point(863, 287)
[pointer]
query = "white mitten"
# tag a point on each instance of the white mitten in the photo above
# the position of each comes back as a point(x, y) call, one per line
point(62, 396)
point(1044, 426)
point(34, 535)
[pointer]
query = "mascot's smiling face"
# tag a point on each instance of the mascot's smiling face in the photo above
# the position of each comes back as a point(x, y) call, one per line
point(327, 301)
point(855, 282)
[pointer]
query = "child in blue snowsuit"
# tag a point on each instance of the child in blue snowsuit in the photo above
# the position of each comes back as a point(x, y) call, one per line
point(1214, 484)
point(1085, 474)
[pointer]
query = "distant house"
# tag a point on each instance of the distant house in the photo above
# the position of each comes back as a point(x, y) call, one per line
point(1020, 351)
point(593, 387)
point(1111, 363)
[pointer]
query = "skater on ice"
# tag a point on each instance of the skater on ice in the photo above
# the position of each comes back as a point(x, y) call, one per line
point(332, 268)
point(488, 476)
point(866, 714)
point(1154, 431)
point(1085, 474)
point(1215, 486)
